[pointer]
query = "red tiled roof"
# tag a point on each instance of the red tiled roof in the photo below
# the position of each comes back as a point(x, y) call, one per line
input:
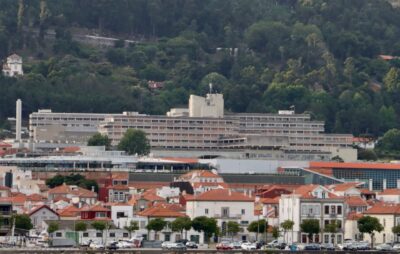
point(305, 191)
point(350, 165)
point(199, 173)
point(58, 198)
point(71, 149)
point(76, 190)
point(355, 201)
point(95, 208)
point(354, 216)
point(384, 208)
point(35, 197)
point(151, 195)
point(161, 211)
point(147, 185)
point(390, 192)
point(119, 175)
point(40, 208)
point(221, 195)
point(270, 200)
point(69, 211)
point(206, 184)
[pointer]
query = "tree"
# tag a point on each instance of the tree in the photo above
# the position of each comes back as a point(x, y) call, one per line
point(133, 226)
point(331, 228)
point(287, 225)
point(259, 226)
point(23, 222)
point(53, 227)
point(392, 80)
point(311, 227)
point(396, 231)
point(55, 181)
point(80, 226)
point(99, 140)
point(369, 225)
point(205, 224)
point(135, 142)
point(156, 225)
point(275, 232)
point(390, 140)
point(99, 226)
point(233, 228)
point(180, 224)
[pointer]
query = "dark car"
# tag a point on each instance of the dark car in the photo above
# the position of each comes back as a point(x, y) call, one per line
point(260, 244)
point(112, 246)
point(191, 245)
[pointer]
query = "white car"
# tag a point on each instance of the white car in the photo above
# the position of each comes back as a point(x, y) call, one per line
point(167, 245)
point(384, 247)
point(125, 245)
point(396, 246)
point(96, 246)
point(249, 246)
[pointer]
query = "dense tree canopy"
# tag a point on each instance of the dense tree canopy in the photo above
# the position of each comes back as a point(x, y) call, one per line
point(135, 142)
point(264, 55)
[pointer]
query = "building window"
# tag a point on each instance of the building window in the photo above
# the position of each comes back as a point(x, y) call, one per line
point(333, 209)
point(99, 234)
point(244, 222)
point(85, 234)
point(243, 211)
point(225, 211)
point(121, 215)
point(167, 237)
point(206, 211)
point(125, 235)
point(142, 224)
point(112, 234)
point(339, 209)
point(339, 239)
point(326, 209)
point(58, 234)
point(326, 238)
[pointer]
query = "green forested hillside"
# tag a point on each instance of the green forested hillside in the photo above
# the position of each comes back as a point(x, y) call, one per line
point(319, 55)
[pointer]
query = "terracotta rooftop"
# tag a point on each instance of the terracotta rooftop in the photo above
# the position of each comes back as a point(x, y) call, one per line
point(306, 191)
point(40, 208)
point(161, 211)
point(344, 186)
point(65, 189)
point(355, 201)
point(384, 208)
point(270, 200)
point(95, 208)
point(354, 216)
point(221, 195)
point(390, 192)
point(69, 211)
point(35, 197)
point(151, 195)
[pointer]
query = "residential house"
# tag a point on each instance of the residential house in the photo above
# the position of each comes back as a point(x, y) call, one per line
point(13, 66)
point(389, 195)
point(389, 216)
point(356, 204)
point(313, 202)
point(346, 189)
point(203, 180)
point(40, 214)
point(73, 192)
point(224, 205)
point(95, 212)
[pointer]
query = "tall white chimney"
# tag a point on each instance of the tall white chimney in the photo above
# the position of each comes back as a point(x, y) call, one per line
point(384, 184)
point(370, 187)
point(18, 120)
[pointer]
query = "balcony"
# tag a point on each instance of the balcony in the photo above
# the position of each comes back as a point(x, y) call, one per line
point(5, 213)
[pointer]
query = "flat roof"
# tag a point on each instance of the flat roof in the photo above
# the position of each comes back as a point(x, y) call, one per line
point(354, 165)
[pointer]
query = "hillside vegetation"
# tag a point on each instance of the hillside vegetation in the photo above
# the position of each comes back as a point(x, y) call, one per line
point(319, 55)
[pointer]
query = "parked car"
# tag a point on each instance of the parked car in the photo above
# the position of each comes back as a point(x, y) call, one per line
point(384, 247)
point(249, 246)
point(177, 246)
point(191, 245)
point(123, 244)
point(328, 246)
point(224, 246)
point(184, 241)
point(96, 246)
point(166, 245)
point(396, 246)
point(358, 246)
point(236, 245)
point(312, 246)
point(113, 246)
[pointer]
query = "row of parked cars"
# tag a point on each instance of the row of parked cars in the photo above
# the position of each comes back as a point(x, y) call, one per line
point(179, 245)
point(363, 245)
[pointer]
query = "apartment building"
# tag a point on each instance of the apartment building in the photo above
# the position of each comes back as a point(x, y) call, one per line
point(313, 202)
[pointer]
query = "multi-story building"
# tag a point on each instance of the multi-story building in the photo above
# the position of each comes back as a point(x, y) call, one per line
point(6, 212)
point(203, 130)
point(13, 66)
point(224, 205)
point(47, 126)
point(313, 202)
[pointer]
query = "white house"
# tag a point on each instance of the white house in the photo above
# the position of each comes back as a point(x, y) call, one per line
point(224, 205)
point(389, 195)
point(346, 189)
point(40, 214)
point(120, 212)
point(388, 216)
point(312, 202)
point(13, 66)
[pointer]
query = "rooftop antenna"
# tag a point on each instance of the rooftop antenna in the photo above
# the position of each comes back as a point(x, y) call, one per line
point(210, 85)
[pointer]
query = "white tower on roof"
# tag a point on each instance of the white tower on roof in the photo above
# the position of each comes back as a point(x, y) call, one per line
point(18, 120)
